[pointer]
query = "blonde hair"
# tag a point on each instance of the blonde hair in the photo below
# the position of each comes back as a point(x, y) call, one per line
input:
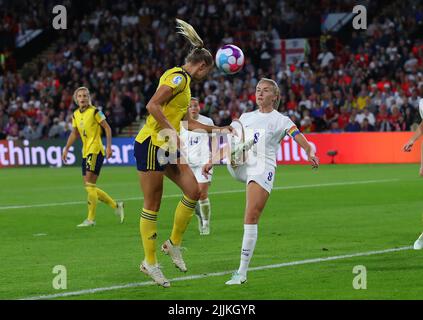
point(189, 33)
point(79, 89)
point(276, 90)
point(198, 52)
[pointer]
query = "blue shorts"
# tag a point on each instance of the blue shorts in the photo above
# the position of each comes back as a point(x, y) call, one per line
point(147, 156)
point(92, 163)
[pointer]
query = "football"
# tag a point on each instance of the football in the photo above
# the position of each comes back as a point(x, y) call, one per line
point(229, 59)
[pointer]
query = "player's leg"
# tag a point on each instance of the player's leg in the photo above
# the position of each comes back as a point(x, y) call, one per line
point(104, 196)
point(197, 206)
point(90, 179)
point(199, 219)
point(90, 186)
point(256, 200)
point(205, 208)
point(91, 171)
point(184, 178)
point(152, 188)
point(151, 181)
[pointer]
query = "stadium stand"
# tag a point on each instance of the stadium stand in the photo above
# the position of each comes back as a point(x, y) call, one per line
point(367, 80)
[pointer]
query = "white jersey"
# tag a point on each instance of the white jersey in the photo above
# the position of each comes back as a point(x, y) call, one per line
point(197, 144)
point(272, 127)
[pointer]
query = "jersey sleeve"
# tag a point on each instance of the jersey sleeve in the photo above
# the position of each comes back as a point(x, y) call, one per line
point(242, 118)
point(289, 127)
point(176, 81)
point(73, 121)
point(99, 116)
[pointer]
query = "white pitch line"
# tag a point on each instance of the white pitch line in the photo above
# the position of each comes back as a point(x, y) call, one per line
point(215, 274)
point(334, 184)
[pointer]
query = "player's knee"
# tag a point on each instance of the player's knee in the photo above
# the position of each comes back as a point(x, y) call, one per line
point(89, 185)
point(252, 216)
point(152, 207)
point(203, 195)
point(194, 194)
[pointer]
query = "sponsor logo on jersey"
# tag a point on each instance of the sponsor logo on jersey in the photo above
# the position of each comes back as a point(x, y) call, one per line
point(177, 80)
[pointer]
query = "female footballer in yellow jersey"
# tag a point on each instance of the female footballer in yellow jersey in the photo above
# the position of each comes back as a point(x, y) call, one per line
point(157, 154)
point(87, 122)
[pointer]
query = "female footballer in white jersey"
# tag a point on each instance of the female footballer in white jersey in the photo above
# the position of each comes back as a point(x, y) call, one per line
point(198, 150)
point(264, 129)
point(418, 244)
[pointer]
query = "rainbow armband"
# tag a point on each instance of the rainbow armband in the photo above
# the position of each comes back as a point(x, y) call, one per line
point(293, 131)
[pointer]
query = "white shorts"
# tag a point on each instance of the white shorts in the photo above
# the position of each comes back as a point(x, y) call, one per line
point(199, 176)
point(264, 180)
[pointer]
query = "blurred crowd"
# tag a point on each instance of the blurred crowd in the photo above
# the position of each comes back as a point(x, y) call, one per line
point(373, 83)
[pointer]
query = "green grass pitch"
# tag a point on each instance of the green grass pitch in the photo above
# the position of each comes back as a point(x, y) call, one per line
point(337, 210)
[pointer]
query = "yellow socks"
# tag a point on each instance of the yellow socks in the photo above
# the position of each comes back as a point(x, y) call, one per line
point(183, 214)
point(148, 231)
point(92, 200)
point(104, 197)
point(148, 227)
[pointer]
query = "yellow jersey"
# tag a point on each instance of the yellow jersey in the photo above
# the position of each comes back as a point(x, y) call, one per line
point(174, 110)
point(88, 125)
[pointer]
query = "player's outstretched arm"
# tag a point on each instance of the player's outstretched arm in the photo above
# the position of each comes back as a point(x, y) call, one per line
point(196, 125)
point(302, 141)
point(72, 137)
point(108, 132)
point(409, 145)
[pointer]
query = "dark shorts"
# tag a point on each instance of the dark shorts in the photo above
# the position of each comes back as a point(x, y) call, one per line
point(148, 155)
point(92, 163)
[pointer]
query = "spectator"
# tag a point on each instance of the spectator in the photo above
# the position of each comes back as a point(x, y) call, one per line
point(352, 126)
point(331, 115)
point(30, 132)
point(325, 57)
point(56, 130)
point(366, 115)
point(343, 118)
point(117, 53)
point(366, 126)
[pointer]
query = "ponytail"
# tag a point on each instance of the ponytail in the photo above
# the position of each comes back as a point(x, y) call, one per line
point(198, 52)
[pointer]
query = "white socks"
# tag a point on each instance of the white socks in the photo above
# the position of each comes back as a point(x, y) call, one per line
point(248, 244)
point(205, 209)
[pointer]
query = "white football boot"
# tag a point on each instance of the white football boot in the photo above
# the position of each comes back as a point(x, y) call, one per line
point(86, 223)
point(154, 272)
point(175, 253)
point(205, 230)
point(119, 211)
point(237, 278)
point(418, 245)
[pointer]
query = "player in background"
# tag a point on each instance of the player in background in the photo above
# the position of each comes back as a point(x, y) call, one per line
point(418, 244)
point(198, 148)
point(87, 122)
point(265, 127)
point(158, 142)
